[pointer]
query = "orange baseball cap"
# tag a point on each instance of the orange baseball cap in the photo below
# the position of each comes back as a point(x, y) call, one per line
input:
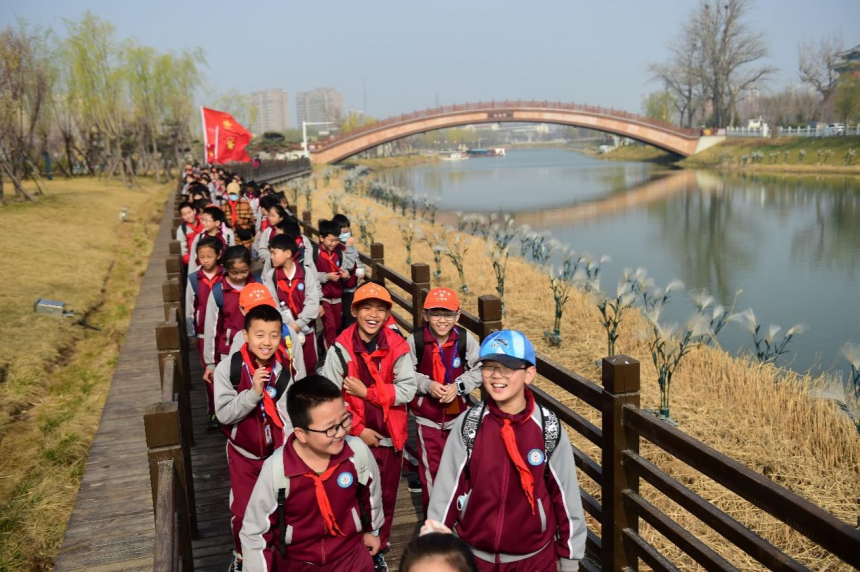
point(372, 291)
point(255, 294)
point(442, 298)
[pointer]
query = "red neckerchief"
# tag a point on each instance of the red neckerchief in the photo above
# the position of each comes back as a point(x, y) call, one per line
point(210, 282)
point(197, 227)
point(331, 258)
point(288, 286)
point(264, 225)
point(440, 370)
point(372, 369)
point(527, 480)
point(322, 499)
point(268, 403)
point(234, 215)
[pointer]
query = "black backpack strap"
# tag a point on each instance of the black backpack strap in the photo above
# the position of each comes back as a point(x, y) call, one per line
point(551, 433)
point(469, 431)
point(316, 252)
point(236, 370)
point(282, 382)
point(282, 524)
point(342, 359)
point(461, 345)
point(419, 345)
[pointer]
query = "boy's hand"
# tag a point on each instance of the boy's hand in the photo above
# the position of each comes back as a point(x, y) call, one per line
point(372, 543)
point(344, 274)
point(437, 390)
point(333, 276)
point(350, 241)
point(321, 311)
point(295, 326)
point(450, 394)
point(355, 386)
point(208, 375)
point(370, 437)
point(261, 378)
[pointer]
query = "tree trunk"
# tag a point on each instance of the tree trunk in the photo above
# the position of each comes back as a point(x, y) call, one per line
point(19, 188)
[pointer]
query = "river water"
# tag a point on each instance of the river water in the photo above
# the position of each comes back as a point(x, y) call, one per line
point(791, 243)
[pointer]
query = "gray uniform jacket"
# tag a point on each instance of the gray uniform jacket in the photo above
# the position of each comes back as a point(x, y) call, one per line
point(451, 495)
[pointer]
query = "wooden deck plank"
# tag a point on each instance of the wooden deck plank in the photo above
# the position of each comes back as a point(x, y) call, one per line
point(115, 499)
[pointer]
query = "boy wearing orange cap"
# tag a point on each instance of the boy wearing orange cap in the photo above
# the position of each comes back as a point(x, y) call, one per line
point(250, 403)
point(371, 364)
point(254, 295)
point(448, 369)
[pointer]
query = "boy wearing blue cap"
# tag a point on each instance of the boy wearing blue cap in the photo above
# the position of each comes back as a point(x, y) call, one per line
point(507, 480)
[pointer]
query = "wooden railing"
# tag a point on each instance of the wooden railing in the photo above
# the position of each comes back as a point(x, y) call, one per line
point(617, 545)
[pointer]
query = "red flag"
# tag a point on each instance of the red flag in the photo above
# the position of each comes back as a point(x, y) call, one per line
point(224, 137)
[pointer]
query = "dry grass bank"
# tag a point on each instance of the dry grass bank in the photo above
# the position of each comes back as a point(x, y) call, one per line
point(54, 375)
point(759, 415)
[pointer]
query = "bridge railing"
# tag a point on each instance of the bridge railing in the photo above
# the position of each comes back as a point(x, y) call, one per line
point(269, 170)
point(509, 105)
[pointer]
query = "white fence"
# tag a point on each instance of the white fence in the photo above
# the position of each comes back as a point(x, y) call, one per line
point(851, 130)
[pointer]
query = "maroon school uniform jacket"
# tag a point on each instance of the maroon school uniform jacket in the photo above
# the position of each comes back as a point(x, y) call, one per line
point(427, 406)
point(195, 302)
point(330, 262)
point(486, 503)
point(353, 491)
point(241, 415)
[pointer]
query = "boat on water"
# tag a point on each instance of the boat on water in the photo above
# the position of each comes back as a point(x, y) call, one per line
point(492, 152)
point(454, 156)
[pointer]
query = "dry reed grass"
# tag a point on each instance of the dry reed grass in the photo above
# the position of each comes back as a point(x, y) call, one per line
point(71, 247)
point(760, 415)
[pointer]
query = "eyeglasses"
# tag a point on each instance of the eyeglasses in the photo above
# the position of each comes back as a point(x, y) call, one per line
point(332, 431)
point(448, 316)
point(503, 370)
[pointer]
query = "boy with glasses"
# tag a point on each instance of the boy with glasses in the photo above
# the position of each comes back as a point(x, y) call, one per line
point(445, 357)
point(317, 503)
point(507, 481)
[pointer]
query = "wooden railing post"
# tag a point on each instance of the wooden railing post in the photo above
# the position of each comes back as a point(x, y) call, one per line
point(163, 429)
point(294, 209)
point(176, 250)
point(173, 266)
point(620, 387)
point(174, 299)
point(420, 284)
point(490, 315)
point(377, 259)
point(168, 342)
point(306, 222)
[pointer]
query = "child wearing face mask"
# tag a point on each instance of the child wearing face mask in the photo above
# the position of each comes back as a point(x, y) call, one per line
point(355, 274)
point(240, 215)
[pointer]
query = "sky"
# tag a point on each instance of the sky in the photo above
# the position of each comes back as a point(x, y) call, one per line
point(407, 55)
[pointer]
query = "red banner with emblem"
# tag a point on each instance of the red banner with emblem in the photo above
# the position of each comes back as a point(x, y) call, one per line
point(225, 138)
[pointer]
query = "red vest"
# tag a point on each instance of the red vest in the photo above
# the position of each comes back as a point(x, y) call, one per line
point(251, 431)
point(427, 406)
point(291, 293)
point(395, 423)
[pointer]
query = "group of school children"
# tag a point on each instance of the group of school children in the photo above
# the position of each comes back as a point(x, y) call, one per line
point(317, 429)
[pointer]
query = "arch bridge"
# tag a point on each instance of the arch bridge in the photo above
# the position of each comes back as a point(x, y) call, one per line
point(678, 140)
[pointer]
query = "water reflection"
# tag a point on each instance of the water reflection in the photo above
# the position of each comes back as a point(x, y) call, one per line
point(792, 243)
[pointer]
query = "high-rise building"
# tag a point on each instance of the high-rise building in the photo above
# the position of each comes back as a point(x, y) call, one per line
point(321, 104)
point(271, 111)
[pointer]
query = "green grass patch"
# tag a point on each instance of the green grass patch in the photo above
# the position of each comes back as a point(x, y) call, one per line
point(54, 374)
point(789, 154)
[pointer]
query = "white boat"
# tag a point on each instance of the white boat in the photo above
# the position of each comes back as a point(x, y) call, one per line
point(453, 156)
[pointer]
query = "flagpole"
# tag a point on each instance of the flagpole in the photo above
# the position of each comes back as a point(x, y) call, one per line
point(217, 130)
point(205, 142)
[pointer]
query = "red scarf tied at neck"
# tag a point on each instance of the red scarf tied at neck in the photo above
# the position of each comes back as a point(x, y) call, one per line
point(323, 502)
point(268, 403)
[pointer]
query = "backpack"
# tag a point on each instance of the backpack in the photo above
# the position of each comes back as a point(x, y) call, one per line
point(218, 289)
point(461, 346)
point(361, 458)
point(548, 421)
point(192, 279)
point(236, 376)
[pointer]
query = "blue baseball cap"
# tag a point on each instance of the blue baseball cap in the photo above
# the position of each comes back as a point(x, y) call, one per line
point(508, 347)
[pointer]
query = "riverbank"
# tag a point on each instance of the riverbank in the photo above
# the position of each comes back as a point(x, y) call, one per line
point(784, 155)
point(636, 154)
point(55, 372)
point(760, 415)
point(394, 162)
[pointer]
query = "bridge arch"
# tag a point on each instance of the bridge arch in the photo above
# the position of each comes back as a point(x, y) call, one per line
point(684, 142)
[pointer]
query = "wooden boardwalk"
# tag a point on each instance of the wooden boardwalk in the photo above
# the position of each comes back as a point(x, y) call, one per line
point(112, 524)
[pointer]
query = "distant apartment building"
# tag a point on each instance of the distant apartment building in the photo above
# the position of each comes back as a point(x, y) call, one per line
point(271, 111)
point(321, 104)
